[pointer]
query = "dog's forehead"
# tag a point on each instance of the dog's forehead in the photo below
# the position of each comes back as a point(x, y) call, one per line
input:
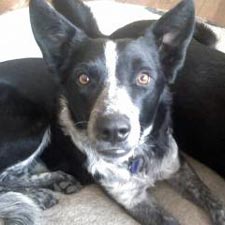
point(114, 58)
point(126, 57)
point(137, 53)
point(90, 51)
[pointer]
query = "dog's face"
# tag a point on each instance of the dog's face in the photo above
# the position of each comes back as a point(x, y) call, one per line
point(112, 91)
point(112, 88)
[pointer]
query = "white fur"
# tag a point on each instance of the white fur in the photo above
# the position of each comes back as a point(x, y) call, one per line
point(111, 62)
point(117, 179)
point(79, 138)
point(145, 134)
point(170, 163)
point(129, 190)
point(17, 208)
point(45, 141)
point(115, 99)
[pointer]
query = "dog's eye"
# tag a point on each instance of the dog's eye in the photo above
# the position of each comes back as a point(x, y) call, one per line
point(83, 79)
point(143, 78)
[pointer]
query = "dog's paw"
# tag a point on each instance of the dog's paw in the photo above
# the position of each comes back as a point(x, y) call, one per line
point(56, 181)
point(170, 221)
point(219, 217)
point(65, 183)
point(44, 198)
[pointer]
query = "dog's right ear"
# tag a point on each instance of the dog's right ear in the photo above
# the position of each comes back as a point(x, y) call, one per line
point(78, 14)
point(172, 34)
point(55, 35)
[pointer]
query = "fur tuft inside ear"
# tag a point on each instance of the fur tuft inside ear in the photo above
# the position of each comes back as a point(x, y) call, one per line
point(173, 33)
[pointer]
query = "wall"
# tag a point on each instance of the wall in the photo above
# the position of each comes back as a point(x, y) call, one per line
point(212, 10)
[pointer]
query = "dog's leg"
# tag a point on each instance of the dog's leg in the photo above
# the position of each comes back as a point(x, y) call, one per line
point(187, 182)
point(39, 186)
point(43, 198)
point(58, 181)
point(27, 174)
point(141, 205)
point(148, 212)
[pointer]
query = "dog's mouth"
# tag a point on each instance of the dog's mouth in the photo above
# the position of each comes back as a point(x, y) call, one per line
point(113, 152)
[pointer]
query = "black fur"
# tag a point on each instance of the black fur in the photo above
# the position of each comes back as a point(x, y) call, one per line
point(202, 33)
point(205, 35)
point(199, 121)
point(25, 99)
point(198, 116)
point(83, 17)
point(69, 50)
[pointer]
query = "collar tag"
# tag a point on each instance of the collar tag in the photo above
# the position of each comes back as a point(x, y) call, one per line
point(136, 165)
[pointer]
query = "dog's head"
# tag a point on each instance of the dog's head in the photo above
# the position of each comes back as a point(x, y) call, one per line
point(111, 88)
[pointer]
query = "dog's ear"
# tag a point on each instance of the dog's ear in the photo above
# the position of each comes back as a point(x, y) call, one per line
point(78, 14)
point(172, 33)
point(55, 35)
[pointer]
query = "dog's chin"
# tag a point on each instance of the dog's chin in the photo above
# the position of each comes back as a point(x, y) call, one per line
point(113, 153)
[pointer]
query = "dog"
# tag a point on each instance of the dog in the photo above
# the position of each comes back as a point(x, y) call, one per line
point(114, 105)
point(195, 116)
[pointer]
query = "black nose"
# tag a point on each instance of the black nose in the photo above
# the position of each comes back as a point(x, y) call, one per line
point(112, 128)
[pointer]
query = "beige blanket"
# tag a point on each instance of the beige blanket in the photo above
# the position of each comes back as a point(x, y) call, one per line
point(91, 206)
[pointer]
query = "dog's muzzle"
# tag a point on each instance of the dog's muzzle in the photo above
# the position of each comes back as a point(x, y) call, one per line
point(112, 130)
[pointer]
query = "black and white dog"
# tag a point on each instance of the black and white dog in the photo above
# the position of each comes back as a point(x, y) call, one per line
point(112, 99)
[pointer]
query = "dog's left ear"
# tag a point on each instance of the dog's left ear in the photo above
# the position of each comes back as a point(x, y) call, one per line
point(79, 14)
point(55, 35)
point(172, 33)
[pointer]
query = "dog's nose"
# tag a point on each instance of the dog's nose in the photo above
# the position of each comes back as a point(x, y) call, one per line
point(113, 128)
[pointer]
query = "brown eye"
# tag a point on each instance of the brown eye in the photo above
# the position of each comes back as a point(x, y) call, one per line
point(84, 79)
point(143, 79)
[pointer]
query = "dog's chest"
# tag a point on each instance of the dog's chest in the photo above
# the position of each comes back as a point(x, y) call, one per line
point(129, 179)
point(120, 181)
point(114, 175)
point(143, 168)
